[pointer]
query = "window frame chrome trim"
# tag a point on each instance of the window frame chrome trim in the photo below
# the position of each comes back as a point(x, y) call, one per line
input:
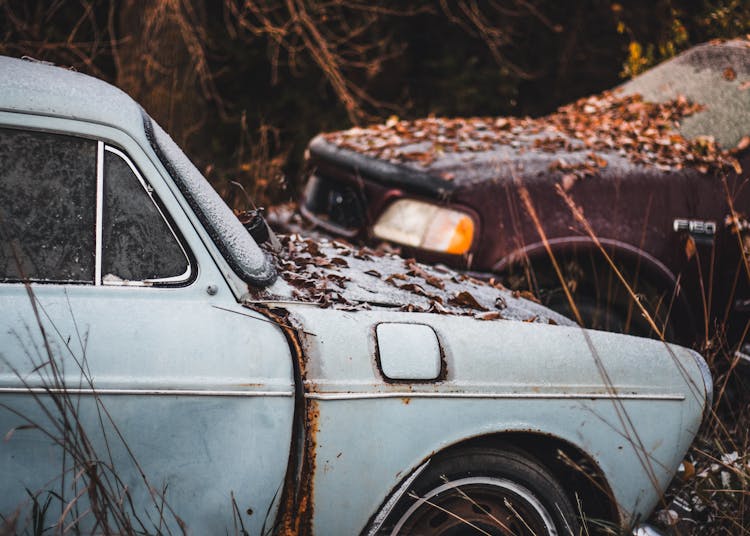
point(99, 212)
point(182, 278)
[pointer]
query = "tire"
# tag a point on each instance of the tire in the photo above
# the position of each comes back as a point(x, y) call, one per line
point(483, 491)
point(601, 299)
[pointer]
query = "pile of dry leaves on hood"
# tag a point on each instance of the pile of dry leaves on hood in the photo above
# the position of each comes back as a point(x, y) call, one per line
point(643, 132)
point(335, 274)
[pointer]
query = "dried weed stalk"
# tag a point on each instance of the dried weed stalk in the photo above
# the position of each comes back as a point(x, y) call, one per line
point(710, 495)
point(90, 492)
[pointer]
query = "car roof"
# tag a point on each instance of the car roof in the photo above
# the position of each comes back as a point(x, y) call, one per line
point(33, 87)
point(36, 87)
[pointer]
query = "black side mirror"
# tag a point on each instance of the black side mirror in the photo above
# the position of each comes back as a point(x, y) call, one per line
point(255, 224)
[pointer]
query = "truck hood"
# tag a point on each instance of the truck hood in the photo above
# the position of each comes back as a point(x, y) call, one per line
point(684, 113)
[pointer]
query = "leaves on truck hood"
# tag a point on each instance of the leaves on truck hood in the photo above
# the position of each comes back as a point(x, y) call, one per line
point(594, 129)
point(333, 273)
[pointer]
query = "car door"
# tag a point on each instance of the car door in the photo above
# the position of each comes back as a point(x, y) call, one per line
point(131, 391)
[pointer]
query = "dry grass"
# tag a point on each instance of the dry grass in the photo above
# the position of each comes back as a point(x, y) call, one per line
point(710, 497)
point(89, 494)
point(258, 175)
point(710, 494)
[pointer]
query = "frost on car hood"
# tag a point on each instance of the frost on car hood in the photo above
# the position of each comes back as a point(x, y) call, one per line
point(338, 275)
point(610, 130)
point(237, 246)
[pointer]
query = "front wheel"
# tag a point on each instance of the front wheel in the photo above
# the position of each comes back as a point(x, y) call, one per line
point(481, 491)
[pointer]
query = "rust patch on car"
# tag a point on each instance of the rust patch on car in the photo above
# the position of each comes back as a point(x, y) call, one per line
point(296, 503)
point(297, 511)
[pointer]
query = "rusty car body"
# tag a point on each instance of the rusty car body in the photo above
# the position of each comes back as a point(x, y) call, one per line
point(160, 372)
point(634, 176)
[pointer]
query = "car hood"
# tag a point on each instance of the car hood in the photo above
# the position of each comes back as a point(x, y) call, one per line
point(498, 357)
point(491, 340)
point(337, 275)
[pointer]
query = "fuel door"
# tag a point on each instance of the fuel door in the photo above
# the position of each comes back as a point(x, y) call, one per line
point(408, 352)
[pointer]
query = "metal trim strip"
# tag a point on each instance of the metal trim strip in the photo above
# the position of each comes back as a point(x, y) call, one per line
point(142, 392)
point(508, 396)
point(99, 211)
point(149, 191)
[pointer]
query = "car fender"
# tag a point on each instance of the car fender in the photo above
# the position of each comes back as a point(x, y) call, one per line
point(632, 405)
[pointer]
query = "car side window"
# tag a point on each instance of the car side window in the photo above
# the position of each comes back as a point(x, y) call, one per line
point(74, 210)
point(47, 207)
point(137, 242)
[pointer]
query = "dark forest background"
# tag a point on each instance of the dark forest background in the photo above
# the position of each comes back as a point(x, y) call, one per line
point(243, 86)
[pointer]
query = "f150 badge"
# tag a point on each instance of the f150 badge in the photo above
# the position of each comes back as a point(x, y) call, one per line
point(700, 233)
point(700, 228)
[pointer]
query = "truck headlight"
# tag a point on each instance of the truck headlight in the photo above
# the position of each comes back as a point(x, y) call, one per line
point(427, 226)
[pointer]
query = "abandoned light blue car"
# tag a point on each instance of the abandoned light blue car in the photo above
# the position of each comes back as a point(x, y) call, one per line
point(162, 372)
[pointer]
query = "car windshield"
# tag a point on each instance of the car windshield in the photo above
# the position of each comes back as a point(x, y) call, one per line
point(235, 243)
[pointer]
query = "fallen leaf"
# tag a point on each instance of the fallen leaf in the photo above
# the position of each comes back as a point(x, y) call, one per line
point(567, 181)
point(321, 262)
point(690, 247)
point(416, 289)
point(417, 271)
point(465, 299)
point(312, 248)
point(688, 470)
point(490, 315)
point(525, 294)
point(391, 278)
point(437, 307)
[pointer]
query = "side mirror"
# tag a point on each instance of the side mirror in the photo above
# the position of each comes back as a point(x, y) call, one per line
point(255, 224)
point(258, 228)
